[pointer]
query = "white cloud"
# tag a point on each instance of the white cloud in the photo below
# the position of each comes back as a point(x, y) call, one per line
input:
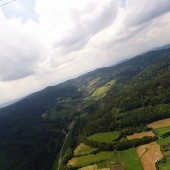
point(143, 11)
point(73, 37)
point(19, 48)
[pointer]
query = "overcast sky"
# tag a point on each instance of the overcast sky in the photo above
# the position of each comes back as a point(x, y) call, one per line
point(45, 42)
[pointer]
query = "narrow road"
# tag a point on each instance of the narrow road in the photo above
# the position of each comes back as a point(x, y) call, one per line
point(61, 151)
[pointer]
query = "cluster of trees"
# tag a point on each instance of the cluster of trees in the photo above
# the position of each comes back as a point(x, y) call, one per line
point(27, 140)
point(120, 144)
point(167, 134)
point(127, 122)
point(126, 144)
point(136, 102)
point(159, 162)
point(131, 130)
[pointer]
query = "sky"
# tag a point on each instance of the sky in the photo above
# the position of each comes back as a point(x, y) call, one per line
point(44, 42)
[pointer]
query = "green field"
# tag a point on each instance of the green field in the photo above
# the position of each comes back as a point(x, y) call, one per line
point(83, 161)
point(116, 157)
point(131, 160)
point(163, 141)
point(101, 92)
point(104, 137)
point(162, 131)
point(83, 149)
point(165, 166)
point(165, 147)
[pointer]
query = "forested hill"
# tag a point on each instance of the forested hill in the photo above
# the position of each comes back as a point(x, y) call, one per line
point(126, 96)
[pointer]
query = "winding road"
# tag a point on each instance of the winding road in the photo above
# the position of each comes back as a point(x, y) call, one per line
point(67, 135)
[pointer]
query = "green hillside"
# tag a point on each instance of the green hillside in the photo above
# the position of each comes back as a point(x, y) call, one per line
point(121, 99)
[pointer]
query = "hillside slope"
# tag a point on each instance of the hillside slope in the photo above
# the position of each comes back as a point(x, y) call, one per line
point(107, 99)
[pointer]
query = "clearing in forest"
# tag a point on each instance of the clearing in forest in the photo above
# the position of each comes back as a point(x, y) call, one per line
point(159, 124)
point(101, 92)
point(83, 149)
point(149, 155)
point(140, 135)
point(105, 137)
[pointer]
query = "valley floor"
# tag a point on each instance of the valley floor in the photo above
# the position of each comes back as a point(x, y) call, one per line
point(147, 157)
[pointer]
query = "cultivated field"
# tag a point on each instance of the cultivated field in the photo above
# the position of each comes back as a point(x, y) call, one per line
point(149, 154)
point(90, 167)
point(159, 124)
point(127, 159)
point(165, 146)
point(131, 160)
point(83, 149)
point(163, 141)
point(140, 135)
point(165, 166)
point(162, 131)
point(83, 161)
point(105, 137)
point(117, 167)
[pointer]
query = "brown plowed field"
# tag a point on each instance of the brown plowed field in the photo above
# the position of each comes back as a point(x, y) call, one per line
point(159, 124)
point(141, 135)
point(117, 167)
point(149, 154)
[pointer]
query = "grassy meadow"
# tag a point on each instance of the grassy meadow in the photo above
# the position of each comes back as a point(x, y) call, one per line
point(104, 137)
point(128, 158)
point(131, 160)
point(165, 166)
point(83, 161)
point(101, 92)
point(165, 147)
point(83, 149)
point(162, 131)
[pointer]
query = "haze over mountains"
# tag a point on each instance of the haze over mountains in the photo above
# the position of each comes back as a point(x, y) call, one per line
point(154, 49)
point(122, 98)
point(39, 46)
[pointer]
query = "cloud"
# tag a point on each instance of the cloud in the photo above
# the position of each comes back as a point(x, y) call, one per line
point(143, 11)
point(70, 38)
point(19, 48)
point(75, 22)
